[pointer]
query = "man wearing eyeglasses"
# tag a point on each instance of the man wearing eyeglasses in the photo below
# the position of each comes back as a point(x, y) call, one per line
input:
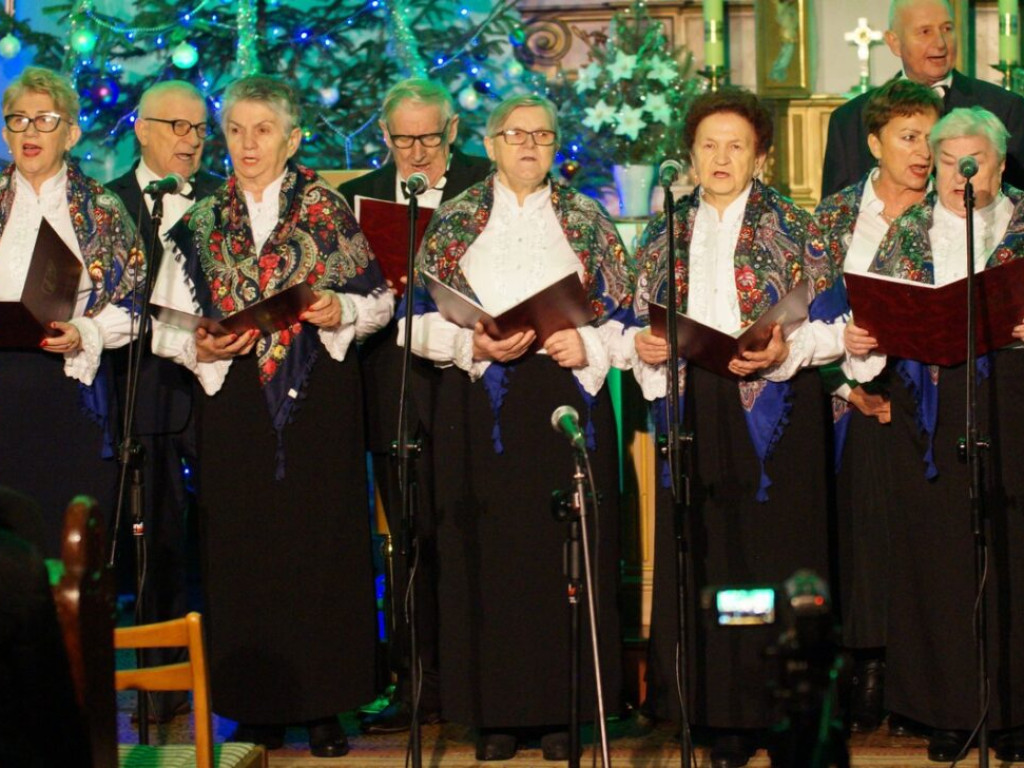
point(171, 127)
point(419, 124)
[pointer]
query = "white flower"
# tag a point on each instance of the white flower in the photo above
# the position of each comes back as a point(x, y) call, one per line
point(622, 67)
point(630, 122)
point(663, 70)
point(598, 115)
point(587, 77)
point(658, 108)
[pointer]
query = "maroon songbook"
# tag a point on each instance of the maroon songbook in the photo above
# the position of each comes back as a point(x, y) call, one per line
point(386, 226)
point(48, 296)
point(275, 313)
point(557, 307)
point(712, 349)
point(917, 321)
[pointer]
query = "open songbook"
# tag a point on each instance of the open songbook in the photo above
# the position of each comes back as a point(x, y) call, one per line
point(275, 313)
point(556, 307)
point(386, 226)
point(918, 321)
point(712, 349)
point(51, 287)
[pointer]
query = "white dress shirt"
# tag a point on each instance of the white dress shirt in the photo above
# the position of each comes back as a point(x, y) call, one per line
point(111, 326)
point(174, 205)
point(869, 230)
point(948, 237)
point(430, 198)
point(521, 251)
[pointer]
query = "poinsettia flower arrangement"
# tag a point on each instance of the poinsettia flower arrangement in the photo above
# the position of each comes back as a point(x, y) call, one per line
point(628, 103)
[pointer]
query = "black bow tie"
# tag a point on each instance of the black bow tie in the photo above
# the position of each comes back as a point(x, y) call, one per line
point(439, 185)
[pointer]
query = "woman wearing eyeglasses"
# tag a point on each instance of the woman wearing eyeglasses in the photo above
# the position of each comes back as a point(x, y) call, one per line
point(504, 633)
point(57, 435)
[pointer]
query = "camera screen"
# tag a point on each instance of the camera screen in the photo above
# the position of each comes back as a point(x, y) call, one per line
point(745, 607)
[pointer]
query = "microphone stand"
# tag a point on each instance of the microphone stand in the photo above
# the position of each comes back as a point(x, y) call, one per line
point(132, 453)
point(970, 449)
point(678, 460)
point(406, 451)
point(572, 508)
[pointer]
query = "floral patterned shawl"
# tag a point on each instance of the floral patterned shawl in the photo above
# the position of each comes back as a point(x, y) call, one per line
point(114, 259)
point(316, 241)
point(779, 244)
point(906, 253)
point(589, 231)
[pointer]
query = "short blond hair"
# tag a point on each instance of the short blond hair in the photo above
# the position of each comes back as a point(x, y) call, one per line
point(53, 84)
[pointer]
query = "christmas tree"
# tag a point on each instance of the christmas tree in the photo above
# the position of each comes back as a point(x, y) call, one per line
point(342, 56)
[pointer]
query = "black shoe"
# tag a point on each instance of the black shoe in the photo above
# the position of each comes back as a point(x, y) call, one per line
point(395, 718)
point(555, 746)
point(900, 726)
point(945, 746)
point(269, 736)
point(496, 746)
point(730, 750)
point(866, 708)
point(1009, 745)
point(326, 739)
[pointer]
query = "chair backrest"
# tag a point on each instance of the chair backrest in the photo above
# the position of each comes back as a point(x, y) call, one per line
point(188, 675)
point(86, 610)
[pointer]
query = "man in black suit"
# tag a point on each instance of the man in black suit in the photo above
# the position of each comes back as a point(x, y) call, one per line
point(921, 34)
point(419, 124)
point(171, 127)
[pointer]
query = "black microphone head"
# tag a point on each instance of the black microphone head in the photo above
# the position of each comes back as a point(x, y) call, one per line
point(417, 183)
point(669, 171)
point(560, 413)
point(967, 166)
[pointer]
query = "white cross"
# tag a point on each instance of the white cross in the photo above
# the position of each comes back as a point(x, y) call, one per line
point(863, 37)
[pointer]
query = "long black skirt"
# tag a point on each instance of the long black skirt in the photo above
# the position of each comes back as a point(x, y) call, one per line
point(735, 540)
point(931, 657)
point(863, 502)
point(50, 448)
point(504, 615)
point(289, 585)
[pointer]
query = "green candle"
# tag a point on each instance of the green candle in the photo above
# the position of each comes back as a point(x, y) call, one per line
point(1009, 31)
point(714, 31)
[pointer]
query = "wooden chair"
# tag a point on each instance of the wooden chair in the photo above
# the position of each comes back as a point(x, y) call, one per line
point(190, 675)
point(85, 610)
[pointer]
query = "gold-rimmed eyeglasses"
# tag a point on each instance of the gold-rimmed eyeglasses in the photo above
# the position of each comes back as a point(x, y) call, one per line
point(516, 136)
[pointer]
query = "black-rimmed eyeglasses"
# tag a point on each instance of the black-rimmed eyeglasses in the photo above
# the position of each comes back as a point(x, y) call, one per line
point(45, 122)
point(429, 140)
point(182, 127)
point(516, 136)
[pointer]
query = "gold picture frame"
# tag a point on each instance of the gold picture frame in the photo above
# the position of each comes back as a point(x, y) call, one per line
point(783, 57)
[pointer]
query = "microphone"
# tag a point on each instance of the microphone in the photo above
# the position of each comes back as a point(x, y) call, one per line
point(566, 420)
point(169, 185)
point(967, 166)
point(668, 172)
point(417, 184)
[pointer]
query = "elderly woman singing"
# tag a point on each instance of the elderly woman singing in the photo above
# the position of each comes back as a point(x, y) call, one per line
point(282, 488)
point(930, 660)
point(56, 433)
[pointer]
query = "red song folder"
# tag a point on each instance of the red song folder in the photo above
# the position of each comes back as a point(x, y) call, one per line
point(917, 321)
point(48, 296)
point(386, 226)
point(556, 307)
point(712, 349)
point(275, 313)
